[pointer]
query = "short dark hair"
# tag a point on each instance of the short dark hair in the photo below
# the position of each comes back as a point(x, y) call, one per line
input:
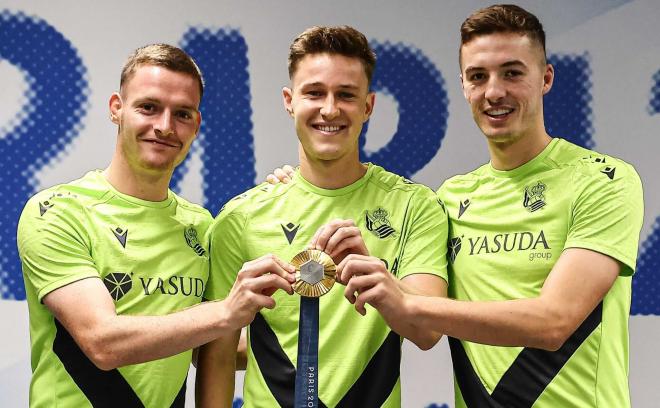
point(342, 40)
point(162, 55)
point(503, 18)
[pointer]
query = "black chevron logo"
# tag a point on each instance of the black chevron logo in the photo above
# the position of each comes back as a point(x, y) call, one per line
point(45, 206)
point(463, 205)
point(609, 172)
point(290, 230)
point(121, 236)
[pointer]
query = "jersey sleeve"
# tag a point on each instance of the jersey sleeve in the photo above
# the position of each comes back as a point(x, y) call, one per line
point(607, 214)
point(53, 244)
point(425, 248)
point(226, 246)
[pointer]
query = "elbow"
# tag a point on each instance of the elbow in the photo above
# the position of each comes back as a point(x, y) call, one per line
point(100, 354)
point(553, 338)
point(427, 341)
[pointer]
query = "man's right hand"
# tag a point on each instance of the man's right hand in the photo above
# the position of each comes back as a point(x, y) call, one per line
point(255, 284)
point(281, 175)
point(339, 238)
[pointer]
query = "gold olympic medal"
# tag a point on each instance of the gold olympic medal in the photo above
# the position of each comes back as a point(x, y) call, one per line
point(315, 273)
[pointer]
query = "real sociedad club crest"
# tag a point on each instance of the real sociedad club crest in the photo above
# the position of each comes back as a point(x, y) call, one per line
point(191, 239)
point(378, 223)
point(534, 198)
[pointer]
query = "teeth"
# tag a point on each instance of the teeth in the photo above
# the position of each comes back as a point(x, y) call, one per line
point(328, 128)
point(499, 112)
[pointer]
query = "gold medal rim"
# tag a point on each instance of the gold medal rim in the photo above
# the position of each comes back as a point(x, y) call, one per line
point(321, 287)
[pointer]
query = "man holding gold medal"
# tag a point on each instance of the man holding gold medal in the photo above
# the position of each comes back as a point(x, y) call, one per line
point(336, 216)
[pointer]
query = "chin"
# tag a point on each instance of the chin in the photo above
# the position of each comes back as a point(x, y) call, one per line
point(327, 154)
point(158, 165)
point(499, 135)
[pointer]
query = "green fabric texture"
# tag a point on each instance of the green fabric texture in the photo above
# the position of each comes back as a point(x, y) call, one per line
point(507, 230)
point(402, 223)
point(150, 255)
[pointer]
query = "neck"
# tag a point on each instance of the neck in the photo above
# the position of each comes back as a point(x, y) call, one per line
point(149, 186)
point(331, 174)
point(511, 154)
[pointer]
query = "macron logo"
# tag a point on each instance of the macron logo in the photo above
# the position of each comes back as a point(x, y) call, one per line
point(290, 230)
point(463, 206)
point(121, 236)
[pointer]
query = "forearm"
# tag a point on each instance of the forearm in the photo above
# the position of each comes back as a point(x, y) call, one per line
point(422, 336)
point(120, 340)
point(241, 352)
point(524, 322)
point(215, 377)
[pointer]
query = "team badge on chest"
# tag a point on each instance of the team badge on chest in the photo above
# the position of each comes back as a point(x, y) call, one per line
point(534, 199)
point(190, 234)
point(378, 223)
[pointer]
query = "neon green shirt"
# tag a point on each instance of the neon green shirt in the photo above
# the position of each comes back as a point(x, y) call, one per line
point(149, 256)
point(508, 228)
point(401, 223)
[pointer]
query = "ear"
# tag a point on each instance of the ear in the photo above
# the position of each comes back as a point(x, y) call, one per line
point(548, 78)
point(465, 93)
point(287, 98)
point(199, 122)
point(369, 105)
point(115, 104)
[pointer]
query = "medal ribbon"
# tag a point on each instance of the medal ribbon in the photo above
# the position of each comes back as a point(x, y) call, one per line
point(307, 381)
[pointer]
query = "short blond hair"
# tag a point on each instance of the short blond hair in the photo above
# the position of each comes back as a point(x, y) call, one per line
point(162, 55)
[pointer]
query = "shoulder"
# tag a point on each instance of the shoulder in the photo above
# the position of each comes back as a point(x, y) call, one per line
point(589, 166)
point(391, 182)
point(192, 208)
point(463, 182)
point(58, 212)
point(250, 200)
point(65, 198)
point(419, 198)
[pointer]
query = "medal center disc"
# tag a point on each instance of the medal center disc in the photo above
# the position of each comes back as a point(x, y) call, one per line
point(315, 273)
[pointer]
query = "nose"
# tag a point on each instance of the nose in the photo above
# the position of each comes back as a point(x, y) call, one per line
point(329, 109)
point(495, 89)
point(164, 126)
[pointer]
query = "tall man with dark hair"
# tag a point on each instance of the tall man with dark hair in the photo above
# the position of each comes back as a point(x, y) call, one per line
point(111, 260)
point(543, 243)
point(400, 230)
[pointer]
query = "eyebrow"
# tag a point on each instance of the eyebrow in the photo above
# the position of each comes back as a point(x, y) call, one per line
point(504, 65)
point(158, 101)
point(343, 86)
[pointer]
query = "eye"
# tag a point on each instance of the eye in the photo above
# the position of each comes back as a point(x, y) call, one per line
point(313, 93)
point(476, 77)
point(346, 95)
point(147, 107)
point(186, 115)
point(512, 73)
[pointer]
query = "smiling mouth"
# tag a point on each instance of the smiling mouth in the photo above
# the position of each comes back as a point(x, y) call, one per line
point(498, 112)
point(329, 128)
point(162, 143)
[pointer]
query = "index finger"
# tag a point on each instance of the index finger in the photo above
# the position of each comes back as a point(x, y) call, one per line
point(270, 264)
point(285, 270)
point(323, 235)
point(289, 170)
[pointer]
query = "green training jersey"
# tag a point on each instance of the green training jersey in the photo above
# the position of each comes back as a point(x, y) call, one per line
point(402, 223)
point(151, 257)
point(507, 230)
